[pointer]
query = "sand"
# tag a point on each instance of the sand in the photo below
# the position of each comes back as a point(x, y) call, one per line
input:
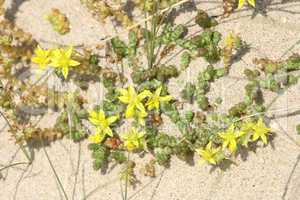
point(270, 173)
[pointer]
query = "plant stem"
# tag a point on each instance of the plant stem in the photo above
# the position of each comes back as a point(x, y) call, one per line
point(153, 34)
point(14, 164)
point(29, 158)
point(268, 106)
point(126, 180)
point(77, 170)
point(151, 37)
point(54, 171)
point(147, 37)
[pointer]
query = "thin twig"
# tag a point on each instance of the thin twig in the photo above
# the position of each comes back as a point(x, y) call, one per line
point(270, 111)
point(19, 182)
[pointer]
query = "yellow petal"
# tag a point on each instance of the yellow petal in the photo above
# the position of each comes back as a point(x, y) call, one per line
point(165, 98)
point(40, 51)
point(241, 4)
point(112, 119)
point(131, 91)
point(264, 139)
point(251, 2)
point(65, 72)
point(101, 115)
point(158, 91)
point(141, 134)
point(230, 129)
point(212, 161)
point(144, 94)
point(92, 114)
point(35, 59)
point(232, 146)
point(225, 144)
point(108, 131)
point(140, 106)
point(240, 134)
point(255, 137)
point(150, 105)
point(94, 121)
point(123, 92)
point(222, 135)
point(156, 105)
point(124, 99)
point(69, 52)
point(96, 138)
point(209, 145)
point(129, 111)
point(74, 63)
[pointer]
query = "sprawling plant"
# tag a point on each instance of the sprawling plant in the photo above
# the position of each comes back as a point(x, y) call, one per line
point(137, 101)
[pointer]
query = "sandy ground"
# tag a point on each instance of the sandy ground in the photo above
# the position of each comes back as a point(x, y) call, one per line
point(270, 173)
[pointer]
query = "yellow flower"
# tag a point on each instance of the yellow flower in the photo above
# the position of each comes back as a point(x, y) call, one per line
point(247, 128)
point(133, 139)
point(230, 40)
point(155, 99)
point(135, 106)
point(242, 2)
point(42, 57)
point(61, 59)
point(209, 154)
point(97, 137)
point(230, 138)
point(99, 119)
point(261, 131)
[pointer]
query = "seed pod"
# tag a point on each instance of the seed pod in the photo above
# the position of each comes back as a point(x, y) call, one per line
point(189, 116)
point(156, 119)
point(221, 72)
point(149, 169)
point(166, 72)
point(267, 65)
point(37, 134)
point(93, 59)
point(167, 50)
point(112, 143)
point(202, 102)
point(163, 156)
point(188, 92)
point(238, 110)
point(251, 74)
point(204, 21)
point(59, 21)
point(199, 118)
point(293, 62)
point(228, 7)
